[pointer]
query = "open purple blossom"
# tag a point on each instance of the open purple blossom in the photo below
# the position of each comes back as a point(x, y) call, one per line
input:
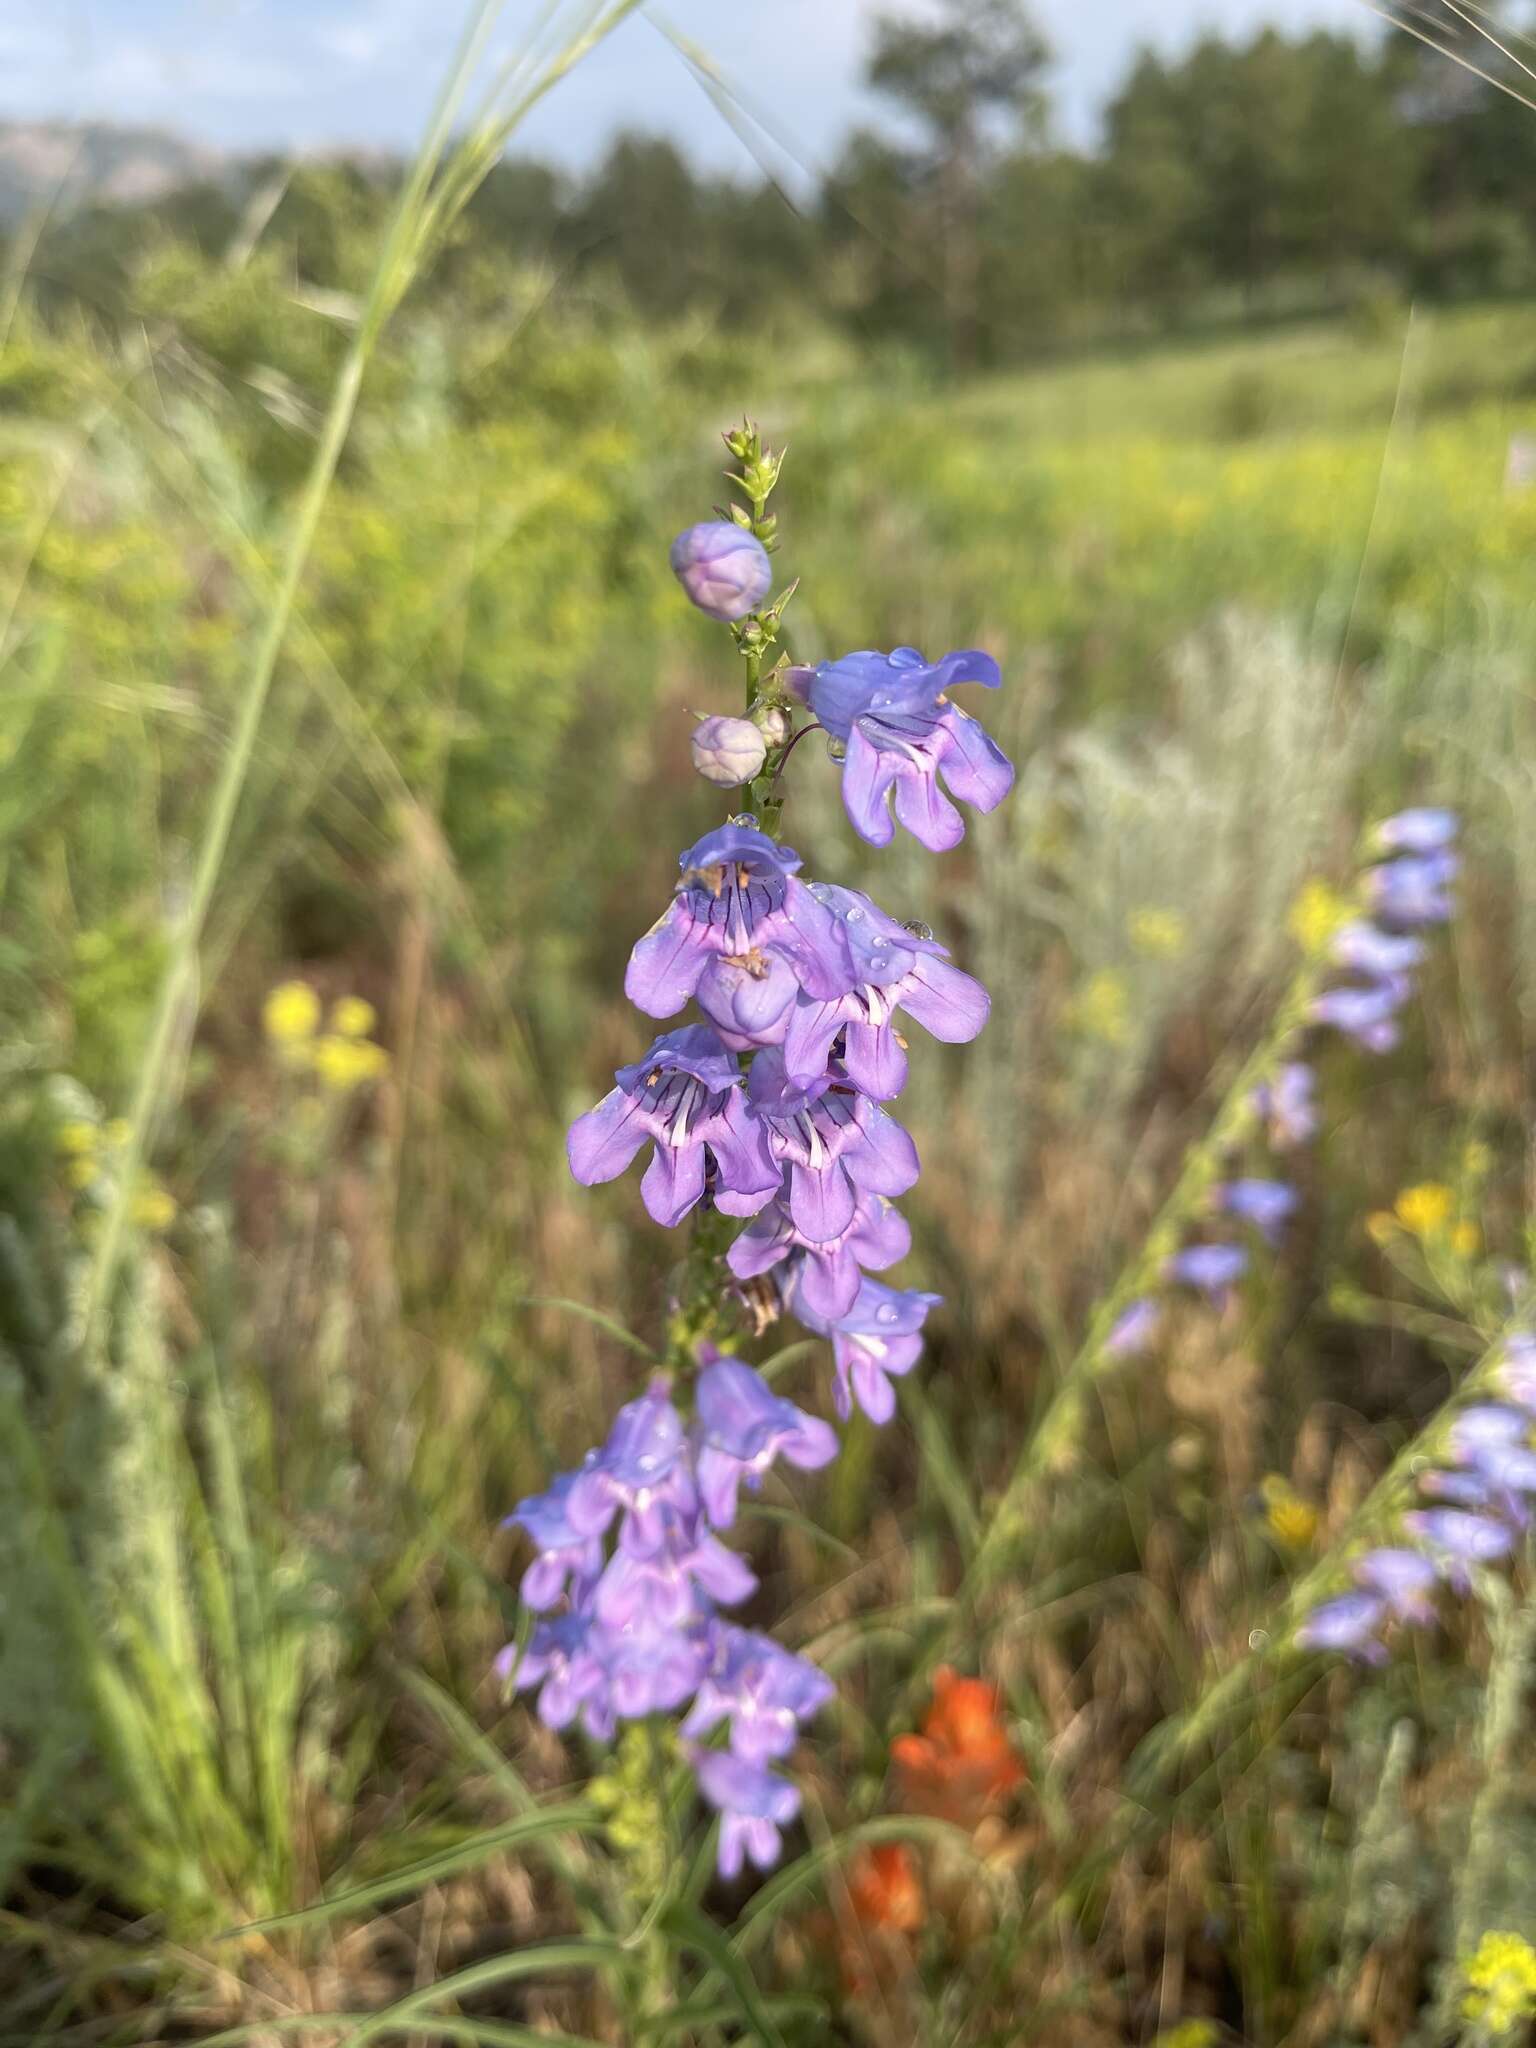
point(1366, 949)
point(1267, 1204)
point(832, 1143)
point(901, 733)
point(561, 1660)
point(724, 568)
point(563, 1555)
point(879, 1339)
point(642, 1473)
point(1516, 1371)
point(685, 1098)
point(663, 1590)
point(1404, 1579)
point(739, 904)
point(1485, 1426)
point(1418, 831)
point(753, 1805)
point(894, 969)
point(1413, 891)
point(765, 1693)
point(828, 1271)
point(1347, 1623)
point(1287, 1106)
point(1367, 1015)
point(741, 1427)
point(1211, 1269)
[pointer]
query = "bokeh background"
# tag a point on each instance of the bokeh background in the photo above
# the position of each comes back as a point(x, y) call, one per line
point(1191, 372)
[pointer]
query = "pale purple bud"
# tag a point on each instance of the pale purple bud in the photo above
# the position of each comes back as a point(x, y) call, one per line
point(723, 568)
point(773, 722)
point(728, 750)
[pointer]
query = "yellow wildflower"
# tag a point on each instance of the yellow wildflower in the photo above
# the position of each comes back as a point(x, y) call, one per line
point(81, 1170)
point(1315, 916)
point(353, 1017)
point(77, 1138)
point(1426, 1209)
point(1501, 1983)
point(1160, 933)
point(1291, 1520)
point(345, 1063)
point(1466, 1240)
point(1382, 1225)
point(1102, 1008)
point(153, 1208)
point(1190, 2034)
point(291, 1013)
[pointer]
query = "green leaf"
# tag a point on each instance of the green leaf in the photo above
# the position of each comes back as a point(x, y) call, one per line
point(590, 1315)
point(689, 1927)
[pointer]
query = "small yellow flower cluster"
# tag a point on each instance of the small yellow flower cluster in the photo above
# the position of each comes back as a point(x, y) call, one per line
point(1315, 916)
point(1291, 1520)
point(631, 1793)
point(1501, 1983)
point(88, 1151)
point(1428, 1212)
point(343, 1056)
point(1101, 1008)
point(1161, 934)
point(1190, 2034)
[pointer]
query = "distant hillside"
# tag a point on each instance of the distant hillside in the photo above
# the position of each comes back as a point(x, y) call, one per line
point(81, 165)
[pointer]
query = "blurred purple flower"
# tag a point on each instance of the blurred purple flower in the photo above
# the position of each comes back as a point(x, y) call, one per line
point(1348, 1623)
point(1134, 1328)
point(724, 568)
point(1367, 950)
point(1367, 1015)
point(1267, 1204)
point(1414, 890)
point(764, 1691)
point(1418, 831)
point(1460, 1539)
point(1212, 1269)
point(741, 1427)
point(1404, 1579)
point(753, 1805)
point(686, 1097)
point(1287, 1105)
point(901, 732)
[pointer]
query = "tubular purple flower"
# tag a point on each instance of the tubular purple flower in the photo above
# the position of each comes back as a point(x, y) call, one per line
point(1211, 1269)
point(834, 1145)
point(1367, 1015)
point(894, 969)
point(1134, 1328)
point(658, 1591)
point(764, 1691)
point(1485, 1426)
point(562, 1661)
point(686, 1097)
point(1414, 890)
point(1287, 1106)
point(724, 568)
point(1516, 1371)
point(739, 905)
point(753, 1805)
point(642, 1472)
point(1367, 950)
point(1418, 831)
point(1458, 1540)
point(1404, 1579)
point(1347, 1623)
point(901, 732)
point(1267, 1204)
point(878, 1340)
point(728, 751)
point(741, 1427)
point(564, 1555)
point(827, 1275)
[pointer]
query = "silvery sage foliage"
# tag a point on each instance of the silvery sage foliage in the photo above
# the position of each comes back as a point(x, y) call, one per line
point(769, 1108)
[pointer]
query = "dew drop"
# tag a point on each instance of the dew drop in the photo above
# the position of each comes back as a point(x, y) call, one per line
point(837, 750)
point(743, 818)
point(853, 916)
point(885, 1313)
point(917, 928)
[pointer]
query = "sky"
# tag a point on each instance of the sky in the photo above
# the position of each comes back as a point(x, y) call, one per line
point(246, 74)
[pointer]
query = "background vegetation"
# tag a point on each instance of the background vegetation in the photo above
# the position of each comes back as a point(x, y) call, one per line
point(287, 1330)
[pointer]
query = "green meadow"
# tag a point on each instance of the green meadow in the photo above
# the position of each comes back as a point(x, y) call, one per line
point(344, 698)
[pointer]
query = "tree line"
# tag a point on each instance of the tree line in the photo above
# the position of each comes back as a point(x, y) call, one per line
point(1238, 180)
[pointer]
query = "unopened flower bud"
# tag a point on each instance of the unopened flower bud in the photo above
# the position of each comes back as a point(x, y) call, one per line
point(772, 721)
point(724, 568)
point(798, 682)
point(728, 750)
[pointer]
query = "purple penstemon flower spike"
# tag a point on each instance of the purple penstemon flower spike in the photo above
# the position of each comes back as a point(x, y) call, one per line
point(893, 713)
point(1418, 831)
point(739, 904)
point(686, 1098)
point(1414, 890)
point(1365, 949)
point(833, 1144)
point(1349, 1623)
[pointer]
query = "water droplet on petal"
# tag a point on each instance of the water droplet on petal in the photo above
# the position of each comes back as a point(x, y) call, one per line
point(853, 916)
point(885, 1313)
point(743, 818)
point(917, 928)
point(837, 750)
